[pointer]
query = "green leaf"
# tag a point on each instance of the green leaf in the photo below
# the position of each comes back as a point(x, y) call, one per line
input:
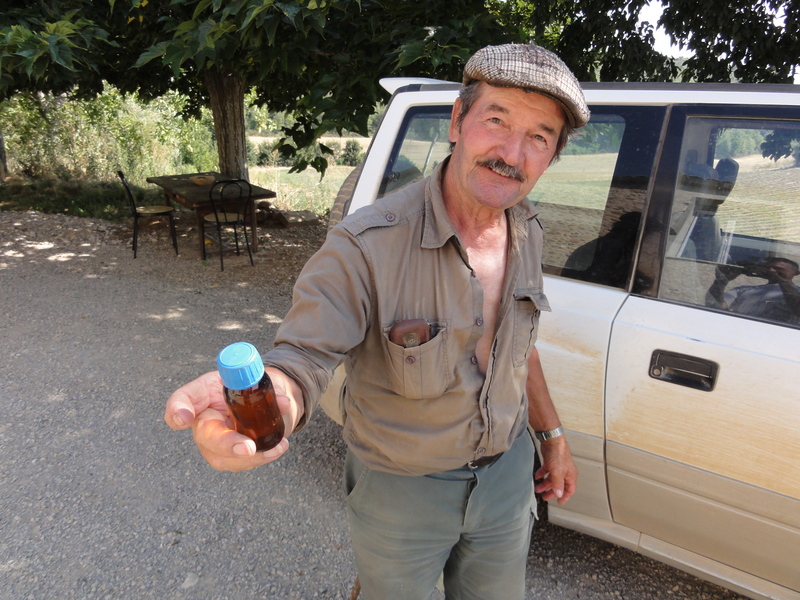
point(201, 6)
point(185, 27)
point(60, 54)
point(152, 52)
point(252, 14)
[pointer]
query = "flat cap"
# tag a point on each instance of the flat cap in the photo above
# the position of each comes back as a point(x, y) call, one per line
point(532, 68)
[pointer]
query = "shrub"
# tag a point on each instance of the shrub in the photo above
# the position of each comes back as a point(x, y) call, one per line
point(352, 156)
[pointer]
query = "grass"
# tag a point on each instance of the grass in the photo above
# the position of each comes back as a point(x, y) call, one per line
point(106, 199)
point(91, 199)
point(301, 191)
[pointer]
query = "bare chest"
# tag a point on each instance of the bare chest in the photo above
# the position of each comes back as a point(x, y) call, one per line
point(489, 266)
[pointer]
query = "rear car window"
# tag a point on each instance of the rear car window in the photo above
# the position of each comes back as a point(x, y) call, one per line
point(734, 237)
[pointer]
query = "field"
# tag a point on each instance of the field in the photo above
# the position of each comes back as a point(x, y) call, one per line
point(301, 191)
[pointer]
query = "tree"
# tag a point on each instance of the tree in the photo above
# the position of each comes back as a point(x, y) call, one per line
point(318, 59)
point(603, 40)
point(751, 40)
point(321, 60)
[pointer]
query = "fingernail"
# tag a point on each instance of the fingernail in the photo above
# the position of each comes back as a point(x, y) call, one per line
point(559, 493)
point(182, 418)
point(277, 450)
point(242, 449)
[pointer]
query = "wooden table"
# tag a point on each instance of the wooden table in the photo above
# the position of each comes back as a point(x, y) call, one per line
point(195, 197)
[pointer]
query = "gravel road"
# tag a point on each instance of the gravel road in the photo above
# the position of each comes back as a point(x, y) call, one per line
point(101, 500)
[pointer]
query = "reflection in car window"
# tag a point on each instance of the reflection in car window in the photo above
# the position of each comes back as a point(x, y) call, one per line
point(734, 240)
point(591, 200)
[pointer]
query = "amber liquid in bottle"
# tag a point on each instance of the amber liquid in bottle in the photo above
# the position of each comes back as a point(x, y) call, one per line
point(256, 414)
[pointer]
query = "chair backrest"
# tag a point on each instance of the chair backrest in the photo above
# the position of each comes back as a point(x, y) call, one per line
point(231, 196)
point(131, 201)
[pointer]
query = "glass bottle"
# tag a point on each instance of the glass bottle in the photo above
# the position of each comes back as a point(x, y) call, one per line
point(250, 396)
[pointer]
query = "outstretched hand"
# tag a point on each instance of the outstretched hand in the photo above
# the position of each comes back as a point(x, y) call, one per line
point(201, 405)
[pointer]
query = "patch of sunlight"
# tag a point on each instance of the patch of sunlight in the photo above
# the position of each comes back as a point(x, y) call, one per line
point(56, 397)
point(62, 257)
point(13, 254)
point(273, 319)
point(171, 314)
point(230, 326)
point(40, 245)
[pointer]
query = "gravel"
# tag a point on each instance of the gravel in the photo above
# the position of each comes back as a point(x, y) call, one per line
point(100, 499)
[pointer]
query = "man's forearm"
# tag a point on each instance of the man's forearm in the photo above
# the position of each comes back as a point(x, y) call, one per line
point(542, 414)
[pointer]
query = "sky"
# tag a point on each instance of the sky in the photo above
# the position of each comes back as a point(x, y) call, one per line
point(651, 14)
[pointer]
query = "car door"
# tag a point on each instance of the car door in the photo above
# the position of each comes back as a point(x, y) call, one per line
point(702, 391)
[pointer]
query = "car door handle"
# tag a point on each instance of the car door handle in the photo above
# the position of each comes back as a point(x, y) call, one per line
point(681, 369)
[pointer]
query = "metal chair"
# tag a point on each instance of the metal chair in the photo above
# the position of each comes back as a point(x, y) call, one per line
point(231, 204)
point(146, 212)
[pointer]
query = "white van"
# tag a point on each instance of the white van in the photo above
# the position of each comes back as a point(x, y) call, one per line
point(672, 354)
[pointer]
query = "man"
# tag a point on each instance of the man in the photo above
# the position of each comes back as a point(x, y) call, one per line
point(777, 300)
point(431, 298)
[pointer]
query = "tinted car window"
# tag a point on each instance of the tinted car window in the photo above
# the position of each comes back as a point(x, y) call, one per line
point(734, 235)
point(591, 200)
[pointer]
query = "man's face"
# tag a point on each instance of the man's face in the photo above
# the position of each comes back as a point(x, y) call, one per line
point(781, 271)
point(503, 145)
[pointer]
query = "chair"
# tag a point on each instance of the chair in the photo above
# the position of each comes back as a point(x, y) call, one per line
point(146, 212)
point(231, 204)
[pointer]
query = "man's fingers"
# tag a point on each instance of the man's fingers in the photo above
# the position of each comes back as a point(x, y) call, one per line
point(227, 450)
point(191, 399)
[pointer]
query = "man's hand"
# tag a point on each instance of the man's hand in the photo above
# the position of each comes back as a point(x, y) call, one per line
point(558, 473)
point(201, 405)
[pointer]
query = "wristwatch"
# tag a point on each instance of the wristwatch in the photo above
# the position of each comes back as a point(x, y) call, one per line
point(543, 436)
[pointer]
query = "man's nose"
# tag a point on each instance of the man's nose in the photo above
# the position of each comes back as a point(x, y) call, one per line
point(513, 148)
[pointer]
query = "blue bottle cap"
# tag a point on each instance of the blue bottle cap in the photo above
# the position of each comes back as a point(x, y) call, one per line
point(240, 366)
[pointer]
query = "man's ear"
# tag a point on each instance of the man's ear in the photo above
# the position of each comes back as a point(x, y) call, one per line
point(455, 128)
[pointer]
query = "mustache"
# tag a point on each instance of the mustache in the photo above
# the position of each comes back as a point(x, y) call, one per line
point(498, 165)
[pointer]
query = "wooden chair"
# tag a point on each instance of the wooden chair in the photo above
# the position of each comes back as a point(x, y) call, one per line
point(231, 204)
point(146, 212)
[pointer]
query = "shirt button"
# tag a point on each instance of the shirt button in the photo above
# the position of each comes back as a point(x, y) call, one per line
point(474, 360)
point(480, 451)
point(390, 217)
point(410, 360)
point(479, 322)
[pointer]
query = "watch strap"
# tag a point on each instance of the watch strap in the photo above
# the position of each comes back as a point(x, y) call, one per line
point(543, 436)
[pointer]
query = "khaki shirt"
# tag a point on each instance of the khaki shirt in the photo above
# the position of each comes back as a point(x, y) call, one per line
point(429, 408)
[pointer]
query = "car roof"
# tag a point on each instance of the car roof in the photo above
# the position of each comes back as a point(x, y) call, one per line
point(642, 92)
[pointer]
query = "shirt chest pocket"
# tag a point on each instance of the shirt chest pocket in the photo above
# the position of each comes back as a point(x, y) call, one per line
point(420, 372)
point(528, 304)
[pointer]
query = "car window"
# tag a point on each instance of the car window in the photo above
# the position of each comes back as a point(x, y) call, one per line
point(734, 237)
point(591, 200)
point(422, 143)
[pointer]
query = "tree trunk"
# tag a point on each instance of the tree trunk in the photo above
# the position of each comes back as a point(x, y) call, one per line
point(226, 91)
point(3, 162)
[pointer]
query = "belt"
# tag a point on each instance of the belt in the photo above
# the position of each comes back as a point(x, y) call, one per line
point(484, 461)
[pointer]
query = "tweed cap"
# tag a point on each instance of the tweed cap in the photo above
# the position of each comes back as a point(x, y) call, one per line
point(532, 68)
